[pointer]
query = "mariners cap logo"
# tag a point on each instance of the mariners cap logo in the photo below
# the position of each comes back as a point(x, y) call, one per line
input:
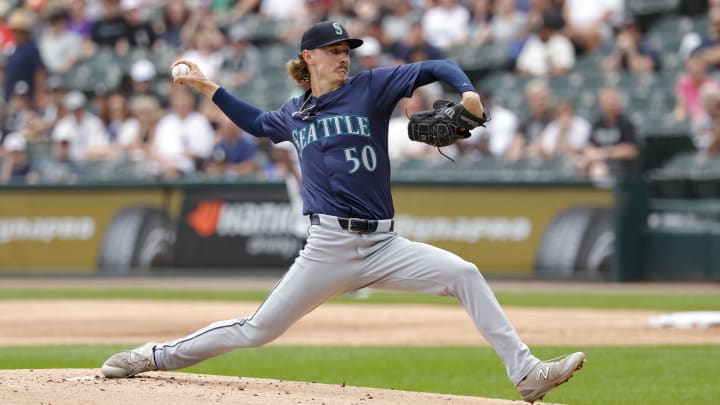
point(338, 28)
point(327, 33)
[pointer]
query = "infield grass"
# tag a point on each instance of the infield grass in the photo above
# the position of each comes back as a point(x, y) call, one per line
point(668, 301)
point(612, 375)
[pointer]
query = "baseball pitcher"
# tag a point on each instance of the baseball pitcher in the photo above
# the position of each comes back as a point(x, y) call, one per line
point(339, 129)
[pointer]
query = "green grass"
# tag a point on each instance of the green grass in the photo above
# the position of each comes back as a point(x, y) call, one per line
point(669, 301)
point(612, 375)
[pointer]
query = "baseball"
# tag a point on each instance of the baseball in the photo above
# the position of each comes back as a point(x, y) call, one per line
point(180, 69)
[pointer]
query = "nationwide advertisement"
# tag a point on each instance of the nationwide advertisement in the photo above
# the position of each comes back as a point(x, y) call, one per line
point(236, 229)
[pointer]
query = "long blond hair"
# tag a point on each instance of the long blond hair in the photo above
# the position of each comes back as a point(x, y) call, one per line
point(297, 69)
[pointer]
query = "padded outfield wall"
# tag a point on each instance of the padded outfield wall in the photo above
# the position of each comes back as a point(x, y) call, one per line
point(216, 227)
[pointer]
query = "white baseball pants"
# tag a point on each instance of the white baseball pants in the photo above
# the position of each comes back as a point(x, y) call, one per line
point(335, 261)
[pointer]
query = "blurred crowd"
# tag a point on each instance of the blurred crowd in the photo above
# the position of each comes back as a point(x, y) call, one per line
point(145, 127)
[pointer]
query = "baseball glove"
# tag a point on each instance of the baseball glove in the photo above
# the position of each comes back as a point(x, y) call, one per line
point(444, 124)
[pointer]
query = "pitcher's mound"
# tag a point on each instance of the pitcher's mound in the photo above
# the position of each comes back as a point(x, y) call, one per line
point(86, 386)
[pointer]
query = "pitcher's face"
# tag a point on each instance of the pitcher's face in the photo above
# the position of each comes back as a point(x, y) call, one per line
point(332, 62)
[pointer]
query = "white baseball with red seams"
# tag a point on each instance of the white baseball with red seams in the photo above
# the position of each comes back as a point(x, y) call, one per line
point(180, 69)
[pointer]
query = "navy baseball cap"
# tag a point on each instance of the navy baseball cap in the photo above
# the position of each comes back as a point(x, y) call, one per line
point(327, 33)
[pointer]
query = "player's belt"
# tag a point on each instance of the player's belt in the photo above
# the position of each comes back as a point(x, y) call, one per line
point(357, 225)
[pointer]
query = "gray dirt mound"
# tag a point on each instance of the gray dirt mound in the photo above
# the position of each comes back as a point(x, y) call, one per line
point(85, 386)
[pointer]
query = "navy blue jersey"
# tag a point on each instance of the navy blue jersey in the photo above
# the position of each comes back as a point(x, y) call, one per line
point(341, 138)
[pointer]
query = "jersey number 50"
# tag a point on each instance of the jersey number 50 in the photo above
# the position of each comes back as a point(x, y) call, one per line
point(367, 158)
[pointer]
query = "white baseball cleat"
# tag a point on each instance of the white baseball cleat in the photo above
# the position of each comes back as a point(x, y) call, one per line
point(131, 362)
point(548, 375)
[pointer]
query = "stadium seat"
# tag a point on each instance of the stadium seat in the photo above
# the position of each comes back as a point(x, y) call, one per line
point(705, 186)
point(672, 180)
point(651, 6)
point(114, 171)
point(705, 179)
point(263, 30)
point(508, 90)
point(667, 33)
point(488, 56)
point(40, 150)
point(163, 58)
point(586, 104)
point(277, 54)
point(670, 186)
point(79, 78)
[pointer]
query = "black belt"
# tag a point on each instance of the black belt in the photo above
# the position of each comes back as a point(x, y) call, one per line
point(354, 224)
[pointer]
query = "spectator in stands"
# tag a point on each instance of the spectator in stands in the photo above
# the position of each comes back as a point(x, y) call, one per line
point(342, 10)
point(612, 149)
point(19, 107)
point(175, 15)
point(535, 13)
point(123, 127)
point(84, 130)
point(480, 31)
point(141, 32)
point(60, 167)
point(398, 21)
point(707, 134)
point(16, 164)
point(589, 23)
point(373, 29)
point(207, 43)
point(495, 138)
point(60, 48)
point(565, 136)
point(537, 9)
point(446, 24)
point(538, 98)
point(6, 36)
point(279, 10)
point(50, 107)
point(22, 117)
point(147, 111)
point(24, 63)
point(370, 55)
point(631, 53)
point(112, 29)
point(507, 22)
point(183, 139)
point(99, 103)
point(78, 20)
point(142, 77)
point(547, 52)
point(363, 13)
point(235, 152)
point(3, 129)
point(240, 57)
point(36, 129)
point(414, 47)
point(687, 90)
point(708, 48)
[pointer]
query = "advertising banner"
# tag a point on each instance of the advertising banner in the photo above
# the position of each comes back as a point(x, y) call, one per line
point(60, 230)
point(236, 228)
point(116, 230)
point(497, 228)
